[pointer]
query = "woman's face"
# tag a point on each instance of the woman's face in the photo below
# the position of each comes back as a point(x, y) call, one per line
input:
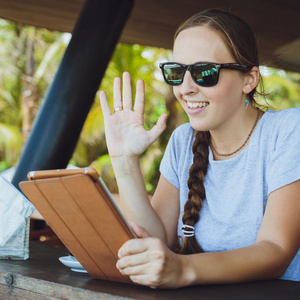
point(220, 102)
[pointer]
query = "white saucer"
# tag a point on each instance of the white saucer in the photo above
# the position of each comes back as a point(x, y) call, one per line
point(73, 263)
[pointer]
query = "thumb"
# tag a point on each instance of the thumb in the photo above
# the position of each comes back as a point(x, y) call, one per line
point(138, 230)
point(158, 128)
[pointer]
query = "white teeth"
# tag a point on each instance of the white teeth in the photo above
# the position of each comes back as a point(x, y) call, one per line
point(196, 104)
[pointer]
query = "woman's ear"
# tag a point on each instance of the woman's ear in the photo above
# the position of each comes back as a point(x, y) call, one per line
point(251, 80)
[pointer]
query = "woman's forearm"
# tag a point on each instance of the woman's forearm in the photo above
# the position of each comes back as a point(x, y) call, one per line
point(261, 261)
point(134, 198)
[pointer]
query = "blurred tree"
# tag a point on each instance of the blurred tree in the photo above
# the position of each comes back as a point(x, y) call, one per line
point(24, 54)
point(282, 88)
point(10, 89)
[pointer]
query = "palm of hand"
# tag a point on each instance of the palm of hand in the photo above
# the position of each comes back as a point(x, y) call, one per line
point(125, 134)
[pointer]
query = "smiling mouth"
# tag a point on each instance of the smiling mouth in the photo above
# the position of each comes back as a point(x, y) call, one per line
point(196, 104)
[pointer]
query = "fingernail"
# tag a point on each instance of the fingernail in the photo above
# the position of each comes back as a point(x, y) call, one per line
point(119, 268)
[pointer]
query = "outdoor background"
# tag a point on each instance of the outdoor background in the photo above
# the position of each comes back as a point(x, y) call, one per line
point(29, 58)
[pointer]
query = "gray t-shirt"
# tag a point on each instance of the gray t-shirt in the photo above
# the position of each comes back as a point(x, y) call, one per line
point(237, 189)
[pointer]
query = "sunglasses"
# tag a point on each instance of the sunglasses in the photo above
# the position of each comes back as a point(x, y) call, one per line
point(203, 73)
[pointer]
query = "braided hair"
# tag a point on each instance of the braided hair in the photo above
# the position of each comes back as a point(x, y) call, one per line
point(196, 193)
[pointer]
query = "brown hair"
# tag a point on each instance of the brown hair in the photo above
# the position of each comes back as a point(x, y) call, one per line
point(240, 40)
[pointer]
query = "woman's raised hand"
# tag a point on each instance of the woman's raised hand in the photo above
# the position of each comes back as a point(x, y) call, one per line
point(124, 129)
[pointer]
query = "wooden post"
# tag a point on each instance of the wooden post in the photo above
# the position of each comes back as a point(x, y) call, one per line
point(69, 98)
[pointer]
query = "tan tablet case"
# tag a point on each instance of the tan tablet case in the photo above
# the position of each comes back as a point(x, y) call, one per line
point(81, 211)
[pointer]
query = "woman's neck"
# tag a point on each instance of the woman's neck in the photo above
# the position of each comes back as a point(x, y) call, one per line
point(234, 136)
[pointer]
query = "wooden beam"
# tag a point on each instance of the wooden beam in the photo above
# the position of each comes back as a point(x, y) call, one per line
point(72, 92)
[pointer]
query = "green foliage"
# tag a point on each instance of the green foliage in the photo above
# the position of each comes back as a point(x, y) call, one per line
point(283, 90)
point(13, 43)
point(10, 144)
point(3, 165)
point(103, 165)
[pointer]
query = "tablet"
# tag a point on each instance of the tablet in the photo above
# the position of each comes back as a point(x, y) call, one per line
point(79, 208)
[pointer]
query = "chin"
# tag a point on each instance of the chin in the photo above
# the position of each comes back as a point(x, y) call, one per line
point(198, 126)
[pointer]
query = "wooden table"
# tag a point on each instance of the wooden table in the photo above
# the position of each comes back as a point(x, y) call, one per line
point(42, 276)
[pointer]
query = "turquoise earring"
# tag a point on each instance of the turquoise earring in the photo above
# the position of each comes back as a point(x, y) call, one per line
point(247, 103)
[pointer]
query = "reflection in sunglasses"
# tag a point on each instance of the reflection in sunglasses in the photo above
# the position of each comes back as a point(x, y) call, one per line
point(204, 74)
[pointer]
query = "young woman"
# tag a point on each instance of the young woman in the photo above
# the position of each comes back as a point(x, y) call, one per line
point(229, 191)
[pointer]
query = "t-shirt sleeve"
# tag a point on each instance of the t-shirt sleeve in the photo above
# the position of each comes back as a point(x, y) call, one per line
point(283, 166)
point(169, 164)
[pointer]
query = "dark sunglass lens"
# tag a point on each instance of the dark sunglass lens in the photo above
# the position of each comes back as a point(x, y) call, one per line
point(173, 73)
point(206, 75)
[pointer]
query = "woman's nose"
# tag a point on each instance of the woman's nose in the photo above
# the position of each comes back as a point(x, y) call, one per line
point(188, 85)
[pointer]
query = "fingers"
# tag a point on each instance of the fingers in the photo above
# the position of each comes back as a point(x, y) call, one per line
point(127, 93)
point(138, 273)
point(132, 257)
point(158, 128)
point(137, 252)
point(145, 261)
point(125, 102)
point(139, 103)
point(104, 104)
point(130, 261)
point(117, 93)
point(133, 246)
point(138, 230)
